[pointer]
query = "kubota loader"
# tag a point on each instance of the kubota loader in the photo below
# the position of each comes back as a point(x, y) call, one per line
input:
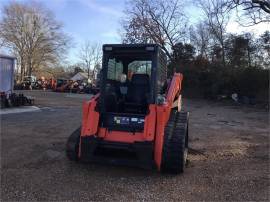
point(136, 119)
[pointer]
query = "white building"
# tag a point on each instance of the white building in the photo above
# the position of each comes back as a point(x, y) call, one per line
point(79, 76)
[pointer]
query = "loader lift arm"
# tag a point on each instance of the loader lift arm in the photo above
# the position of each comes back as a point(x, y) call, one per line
point(174, 89)
point(164, 112)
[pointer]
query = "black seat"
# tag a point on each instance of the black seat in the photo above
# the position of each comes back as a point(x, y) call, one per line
point(111, 103)
point(138, 91)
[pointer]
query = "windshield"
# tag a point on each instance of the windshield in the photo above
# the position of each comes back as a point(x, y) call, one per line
point(118, 67)
point(127, 80)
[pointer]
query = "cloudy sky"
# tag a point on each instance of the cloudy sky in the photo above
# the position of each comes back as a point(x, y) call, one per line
point(94, 20)
point(99, 20)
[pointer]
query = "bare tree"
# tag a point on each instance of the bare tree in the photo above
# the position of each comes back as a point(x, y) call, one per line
point(199, 37)
point(250, 12)
point(2, 42)
point(217, 17)
point(90, 55)
point(33, 34)
point(158, 21)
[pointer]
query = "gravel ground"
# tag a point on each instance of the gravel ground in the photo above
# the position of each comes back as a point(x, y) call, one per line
point(229, 160)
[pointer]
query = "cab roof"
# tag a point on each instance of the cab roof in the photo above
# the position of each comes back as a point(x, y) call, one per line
point(130, 46)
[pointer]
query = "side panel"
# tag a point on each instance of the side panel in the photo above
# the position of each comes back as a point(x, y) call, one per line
point(90, 117)
point(150, 124)
point(163, 112)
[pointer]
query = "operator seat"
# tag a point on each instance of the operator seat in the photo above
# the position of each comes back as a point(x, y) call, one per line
point(137, 94)
point(111, 103)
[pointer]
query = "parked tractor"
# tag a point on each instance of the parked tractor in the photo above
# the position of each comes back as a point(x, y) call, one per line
point(136, 119)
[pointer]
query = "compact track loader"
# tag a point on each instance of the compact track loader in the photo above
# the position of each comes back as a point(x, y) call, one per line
point(136, 119)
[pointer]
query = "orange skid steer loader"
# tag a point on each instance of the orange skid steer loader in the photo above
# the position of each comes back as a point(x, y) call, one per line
point(136, 119)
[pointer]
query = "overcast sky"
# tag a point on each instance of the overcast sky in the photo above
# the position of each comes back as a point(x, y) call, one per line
point(99, 20)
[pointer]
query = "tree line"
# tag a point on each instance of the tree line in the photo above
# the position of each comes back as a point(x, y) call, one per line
point(214, 61)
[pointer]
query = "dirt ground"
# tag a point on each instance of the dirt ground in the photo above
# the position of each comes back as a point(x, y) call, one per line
point(229, 160)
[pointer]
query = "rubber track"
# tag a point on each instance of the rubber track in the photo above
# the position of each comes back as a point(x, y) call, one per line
point(72, 145)
point(174, 143)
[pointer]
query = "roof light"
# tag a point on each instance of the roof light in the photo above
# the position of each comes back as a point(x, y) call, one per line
point(150, 48)
point(108, 48)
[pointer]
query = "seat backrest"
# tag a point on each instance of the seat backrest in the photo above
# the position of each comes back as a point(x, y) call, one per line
point(138, 89)
point(111, 103)
point(111, 99)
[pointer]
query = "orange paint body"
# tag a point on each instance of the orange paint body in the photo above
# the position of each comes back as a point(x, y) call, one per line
point(154, 124)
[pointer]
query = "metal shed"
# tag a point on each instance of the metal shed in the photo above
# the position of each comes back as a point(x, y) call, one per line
point(7, 66)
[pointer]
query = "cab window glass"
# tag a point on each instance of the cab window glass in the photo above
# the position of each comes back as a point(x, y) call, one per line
point(140, 67)
point(115, 69)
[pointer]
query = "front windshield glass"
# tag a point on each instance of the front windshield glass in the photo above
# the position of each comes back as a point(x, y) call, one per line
point(126, 80)
point(117, 67)
point(140, 67)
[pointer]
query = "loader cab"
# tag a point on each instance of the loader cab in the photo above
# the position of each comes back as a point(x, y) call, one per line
point(132, 76)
